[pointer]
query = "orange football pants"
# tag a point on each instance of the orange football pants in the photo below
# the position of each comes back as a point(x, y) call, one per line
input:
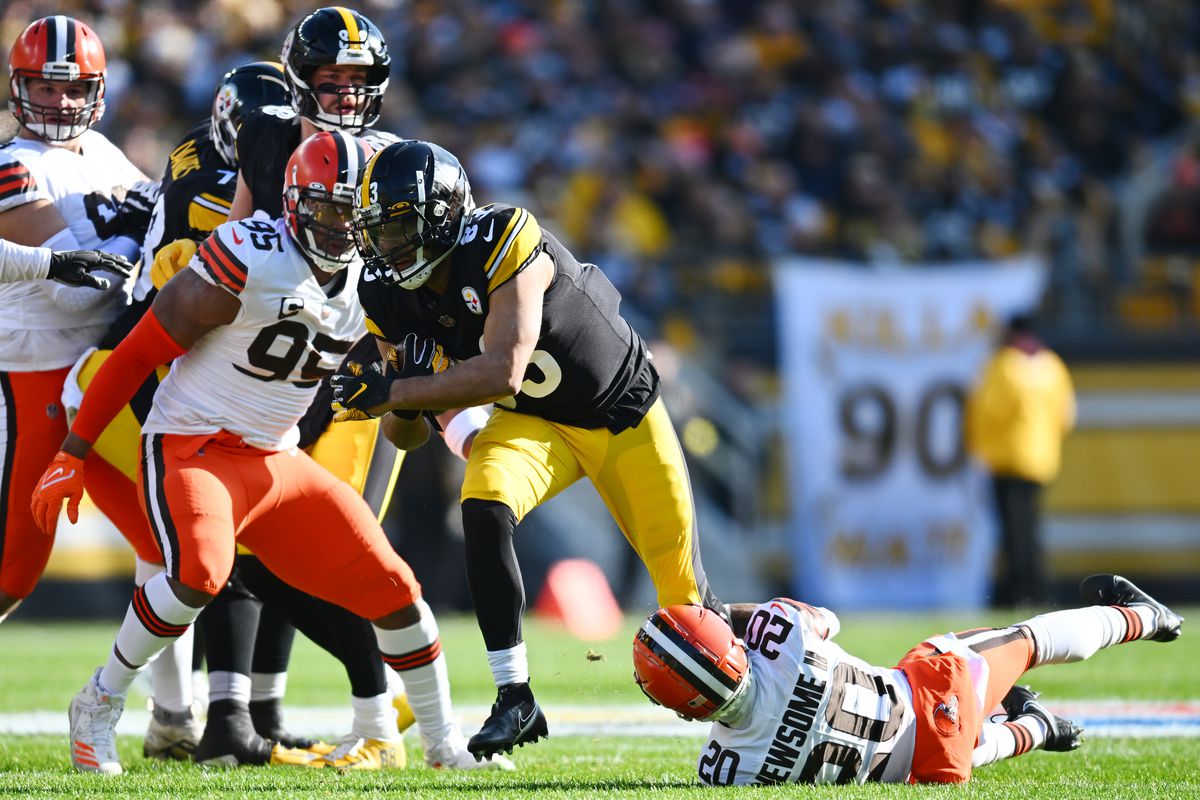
point(32, 427)
point(205, 494)
point(945, 741)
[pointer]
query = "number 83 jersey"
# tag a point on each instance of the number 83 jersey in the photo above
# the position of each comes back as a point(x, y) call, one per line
point(256, 376)
point(819, 715)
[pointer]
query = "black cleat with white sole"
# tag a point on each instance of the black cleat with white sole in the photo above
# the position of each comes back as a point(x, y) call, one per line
point(1113, 590)
point(516, 719)
point(1062, 735)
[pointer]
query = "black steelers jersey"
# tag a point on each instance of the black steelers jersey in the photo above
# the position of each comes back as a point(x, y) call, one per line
point(590, 369)
point(265, 143)
point(197, 191)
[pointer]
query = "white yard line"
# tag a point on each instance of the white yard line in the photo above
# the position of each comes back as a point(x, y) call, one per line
point(1100, 718)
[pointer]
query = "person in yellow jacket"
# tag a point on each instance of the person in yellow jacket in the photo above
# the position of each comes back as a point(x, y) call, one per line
point(1017, 417)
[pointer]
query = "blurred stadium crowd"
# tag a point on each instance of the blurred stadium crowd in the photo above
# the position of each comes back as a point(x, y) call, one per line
point(683, 144)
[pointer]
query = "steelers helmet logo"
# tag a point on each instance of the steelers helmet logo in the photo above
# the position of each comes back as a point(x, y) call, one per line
point(226, 99)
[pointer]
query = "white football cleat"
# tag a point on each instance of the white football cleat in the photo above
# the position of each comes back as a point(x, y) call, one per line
point(452, 753)
point(93, 717)
point(172, 734)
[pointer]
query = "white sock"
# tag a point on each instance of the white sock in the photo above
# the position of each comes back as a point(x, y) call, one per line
point(374, 718)
point(1000, 740)
point(170, 671)
point(225, 685)
point(509, 666)
point(156, 617)
point(416, 653)
point(395, 684)
point(200, 688)
point(267, 685)
point(1062, 637)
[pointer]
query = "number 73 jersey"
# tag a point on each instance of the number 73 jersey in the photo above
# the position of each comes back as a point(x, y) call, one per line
point(819, 715)
point(256, 376)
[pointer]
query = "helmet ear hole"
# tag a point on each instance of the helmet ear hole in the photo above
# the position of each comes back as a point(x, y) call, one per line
point(687, 659)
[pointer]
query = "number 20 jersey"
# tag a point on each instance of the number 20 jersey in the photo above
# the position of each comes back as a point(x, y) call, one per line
point(819, 715)
point(256, 376)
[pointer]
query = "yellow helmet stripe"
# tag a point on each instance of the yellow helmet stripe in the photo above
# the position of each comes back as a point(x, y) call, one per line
point(352, 35)
point(364, 198)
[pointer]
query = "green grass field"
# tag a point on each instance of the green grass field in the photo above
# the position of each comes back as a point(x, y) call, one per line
point(42, 666)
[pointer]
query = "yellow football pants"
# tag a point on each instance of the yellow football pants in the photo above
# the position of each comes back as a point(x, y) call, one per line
point(522, 461)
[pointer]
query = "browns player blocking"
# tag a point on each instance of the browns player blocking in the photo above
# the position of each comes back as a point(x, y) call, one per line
point(219, 458)
point(788, 705)
point(337, 67)
point(61, 186)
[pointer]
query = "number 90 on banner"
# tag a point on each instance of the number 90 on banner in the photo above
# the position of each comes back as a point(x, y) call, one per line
point(875, 430)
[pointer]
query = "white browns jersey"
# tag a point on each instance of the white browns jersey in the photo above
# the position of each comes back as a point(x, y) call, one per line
point(35, 333)
point(819, 714)
point(256, 376)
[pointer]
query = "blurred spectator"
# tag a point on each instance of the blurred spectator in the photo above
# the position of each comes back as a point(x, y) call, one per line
point(686, 143)
point(1017, 417)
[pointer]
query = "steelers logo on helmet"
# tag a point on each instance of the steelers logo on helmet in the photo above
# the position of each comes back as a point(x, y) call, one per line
point(319, 184)
point(241, 90)
point(337, 36)
point(57, 57)
point(410, 211)
point(688, 659)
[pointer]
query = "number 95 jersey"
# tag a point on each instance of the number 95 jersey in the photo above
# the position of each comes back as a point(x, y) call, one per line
point(256, 376)
point(819, 715)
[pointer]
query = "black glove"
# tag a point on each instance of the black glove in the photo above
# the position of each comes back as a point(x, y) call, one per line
point(75, 267)
point(357, 389)
point(416, 357)
point(134, 214)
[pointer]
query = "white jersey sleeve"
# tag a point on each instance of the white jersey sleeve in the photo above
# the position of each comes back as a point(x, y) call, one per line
point(256, 376)
point(21, 263)
point(819, 715)
point(85, 187)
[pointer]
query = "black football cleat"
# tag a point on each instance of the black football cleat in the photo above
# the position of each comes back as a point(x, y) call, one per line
point(1113, 590)
point(267, 716)
point(1062, 735)
point(516, 719)
point(229, 740)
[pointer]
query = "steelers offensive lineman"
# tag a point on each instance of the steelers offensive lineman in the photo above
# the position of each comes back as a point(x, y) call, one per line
point(788, 705)
point(61, 186)
point(263, 311)
point(527, 327)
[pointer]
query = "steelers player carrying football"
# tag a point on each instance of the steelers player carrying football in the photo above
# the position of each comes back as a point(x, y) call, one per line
point(219, 457)
point(529, 328)
point(788, 705)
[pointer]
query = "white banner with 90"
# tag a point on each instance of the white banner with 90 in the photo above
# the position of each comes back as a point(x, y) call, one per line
point(888, 511)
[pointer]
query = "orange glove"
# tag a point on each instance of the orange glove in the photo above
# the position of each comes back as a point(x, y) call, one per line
point(62, 480)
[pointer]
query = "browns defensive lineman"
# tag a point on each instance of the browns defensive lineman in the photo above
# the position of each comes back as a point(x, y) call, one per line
point(788, 705)
point(337, 67)
point(540, 335)
point(261, 314)
point(61, 185)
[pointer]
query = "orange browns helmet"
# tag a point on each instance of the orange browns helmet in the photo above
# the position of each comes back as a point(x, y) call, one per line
point(687, 658)
point(318, 193)
point(58, 48)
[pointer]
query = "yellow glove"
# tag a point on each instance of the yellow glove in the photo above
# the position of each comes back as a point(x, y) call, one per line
point(170, 259)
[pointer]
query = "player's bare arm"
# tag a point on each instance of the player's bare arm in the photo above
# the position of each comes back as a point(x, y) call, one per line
point(509, 338)
point(243, 202)
point(187, 307)
point(32, 223)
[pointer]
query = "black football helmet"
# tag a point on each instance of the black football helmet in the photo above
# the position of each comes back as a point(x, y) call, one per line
point(241, 90)
point(411, 207)
point(336, 36)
